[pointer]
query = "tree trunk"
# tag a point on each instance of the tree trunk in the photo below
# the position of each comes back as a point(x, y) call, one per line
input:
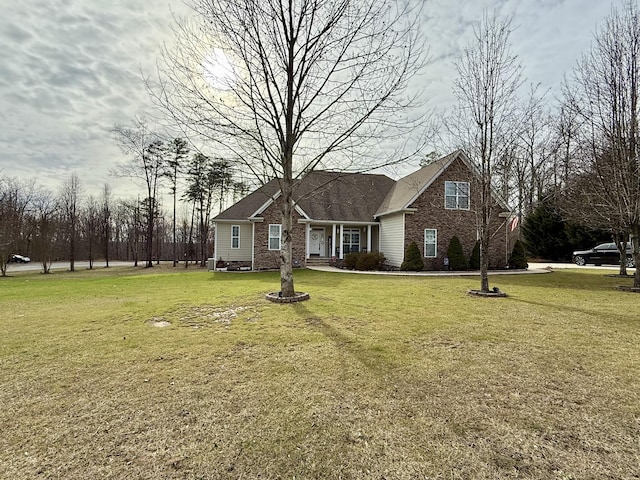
point(485, 226)
point(286, 256)
point(484, 261)
point(150, 239)
point(175, 254)
point(635, 244)
point(72, 246)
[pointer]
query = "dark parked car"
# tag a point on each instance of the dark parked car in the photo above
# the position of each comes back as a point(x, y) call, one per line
point(603, 254)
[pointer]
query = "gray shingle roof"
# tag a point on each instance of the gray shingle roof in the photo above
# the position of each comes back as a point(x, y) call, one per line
point(323, 196)
point(248, 205)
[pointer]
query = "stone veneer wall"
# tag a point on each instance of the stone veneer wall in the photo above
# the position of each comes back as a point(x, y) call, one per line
point(270, 259)
point(462, 223)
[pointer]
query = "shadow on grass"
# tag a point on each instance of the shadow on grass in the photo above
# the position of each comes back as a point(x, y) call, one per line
point(375, 358)
point(632, 317)
point(570, 280)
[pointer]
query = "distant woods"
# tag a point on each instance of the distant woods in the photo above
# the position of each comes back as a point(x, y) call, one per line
point(170, 219)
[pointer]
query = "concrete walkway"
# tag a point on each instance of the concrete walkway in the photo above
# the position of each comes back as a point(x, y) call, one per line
point(472, 273)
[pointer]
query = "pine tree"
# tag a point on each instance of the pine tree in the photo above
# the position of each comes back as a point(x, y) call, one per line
point(474, 260)
point(412, 259)
point(518, 257)
point(457, 260)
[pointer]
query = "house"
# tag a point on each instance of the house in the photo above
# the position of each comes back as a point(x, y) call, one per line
point(338, 213)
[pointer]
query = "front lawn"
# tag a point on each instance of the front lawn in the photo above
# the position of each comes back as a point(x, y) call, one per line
point(375, 377)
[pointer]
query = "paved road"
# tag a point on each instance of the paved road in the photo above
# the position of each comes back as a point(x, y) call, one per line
point(81, 265)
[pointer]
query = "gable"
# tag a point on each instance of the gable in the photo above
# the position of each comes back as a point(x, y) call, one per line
point(408, 189)
point(252, 203)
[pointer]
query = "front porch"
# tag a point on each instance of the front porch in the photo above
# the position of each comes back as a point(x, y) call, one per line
point(327, 242)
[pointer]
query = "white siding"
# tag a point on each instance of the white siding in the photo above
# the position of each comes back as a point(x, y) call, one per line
point(228, 254)
point(392, 238)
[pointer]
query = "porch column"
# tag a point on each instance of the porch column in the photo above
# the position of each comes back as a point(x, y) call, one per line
point(253, 245)
point(215, 246)
point(307, 234)
point(369, 238)
point(332, 253)
point(341, 244)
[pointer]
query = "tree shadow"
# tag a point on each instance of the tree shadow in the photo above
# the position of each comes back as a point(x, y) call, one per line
point(374, 358)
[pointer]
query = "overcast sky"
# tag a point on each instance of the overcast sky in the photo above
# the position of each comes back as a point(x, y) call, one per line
point(70, 70)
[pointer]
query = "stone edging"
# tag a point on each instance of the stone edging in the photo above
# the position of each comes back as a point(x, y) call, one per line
point(629, 289)
point(277, 298)
point(492, 294)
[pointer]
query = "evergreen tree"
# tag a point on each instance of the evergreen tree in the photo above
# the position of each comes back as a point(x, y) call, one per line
point(518, 258)
point(457, 260)
point(412, 259)
point(474, 260)
point(544, 232)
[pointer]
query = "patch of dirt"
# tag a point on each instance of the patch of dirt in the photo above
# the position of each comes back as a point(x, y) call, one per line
point(201, 316)
point(159, 323)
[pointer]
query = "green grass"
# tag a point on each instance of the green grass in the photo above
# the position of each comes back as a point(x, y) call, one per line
point(374, 377)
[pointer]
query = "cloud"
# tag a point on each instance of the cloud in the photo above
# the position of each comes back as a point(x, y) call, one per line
point(71, 69)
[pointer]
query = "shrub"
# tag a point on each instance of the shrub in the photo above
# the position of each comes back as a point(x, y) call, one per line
point(457, 260)
point(518, 257)
point(412, 259)
point(350, 260)
point(474, 260)
point(370, 261)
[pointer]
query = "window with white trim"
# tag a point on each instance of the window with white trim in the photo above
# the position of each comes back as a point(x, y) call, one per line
point(430, 242)
point(235, 236)
point(275, 232)
point(456, 195)
point(351, 240)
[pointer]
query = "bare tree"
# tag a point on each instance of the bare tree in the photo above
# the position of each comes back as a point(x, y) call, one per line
point(15, 200)
point(585, 202)
point(104, 222)
point(146, 162)
point(286, 86)
point(45, 219)
point(566, 144)
point(534, 157)
point(90, 219)
point(70, 214)
point(603, 93)
point(489, 76)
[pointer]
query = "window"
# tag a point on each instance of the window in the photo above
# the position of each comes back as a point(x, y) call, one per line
point(351, 240)
point(430, 242)
point(456, 195)
point(274, 236)
point(235, 236)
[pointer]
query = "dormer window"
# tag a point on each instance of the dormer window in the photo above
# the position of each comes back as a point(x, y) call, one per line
point(456, 195)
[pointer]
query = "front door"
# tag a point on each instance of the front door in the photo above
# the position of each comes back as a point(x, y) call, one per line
point(316, 242)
